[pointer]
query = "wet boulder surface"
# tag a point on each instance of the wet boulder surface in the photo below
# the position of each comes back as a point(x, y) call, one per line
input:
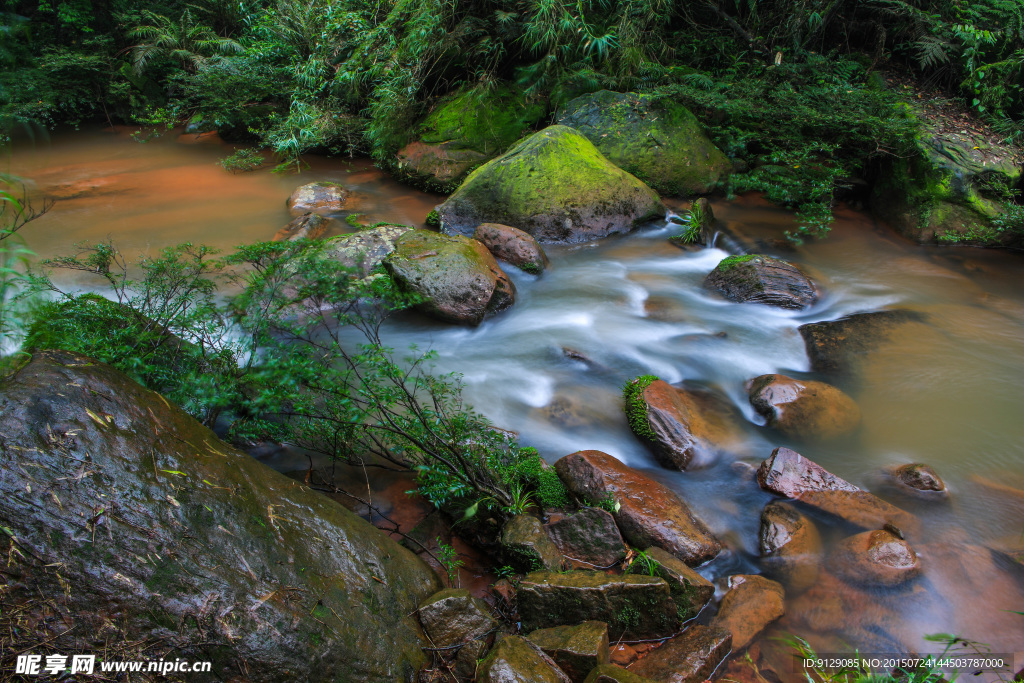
point(320, 198)
point(688, 658)
point(804, 409)
point(760, 279)
point(576, 649)
point(554, 185)
point(142, 526)
point(837, 348)
point(515, 659)
point(513, 246)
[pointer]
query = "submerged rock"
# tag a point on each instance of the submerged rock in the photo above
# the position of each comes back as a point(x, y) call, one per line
point(321, 198)
point(526, 543)
point(555, 186)
point(919, 478)
point(836, 347)
point(751, 604)
point(167, 535)
point(655, 138)
point(803, 408)
point(454, 616)
point(648, 514)
point(457, 277)
point(875, 557)
point(688, 658)
point(575, 649)
point(512, 245)
point(589, 536)
point(516, 660)
point(308, 226)
point(790, 545)
point(759, 279)
point(632, 605)
point(686, 429)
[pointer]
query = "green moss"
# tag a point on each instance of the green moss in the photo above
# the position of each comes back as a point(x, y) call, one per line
point(433, 220)
point(732, 261)
point(532, 268)
point(636, 407)
point(551, 490)
point(485, 121)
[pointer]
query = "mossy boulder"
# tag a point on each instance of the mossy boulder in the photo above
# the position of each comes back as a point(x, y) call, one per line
point(690, 590)
point(526, 544)
point(952, 185)
point(462, 131)
point(760, 279)
point(140, 526)
point(453, 616)
point(589, 536)
point(554, 185)
point(655, 138)
point(633, 606)
point(366, 249)
point(515, 659)
point(457, 277)
point(609, 673)
point(575, 649)
point(804, 409)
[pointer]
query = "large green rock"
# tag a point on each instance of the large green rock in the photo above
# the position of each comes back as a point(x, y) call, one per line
point(575, 649)
point(656, 139)
point(128, 522)
point(526, 544)
point(462, 131)
point(951, 186)
point(516, 660)
point(457, 277)
point(554, 185)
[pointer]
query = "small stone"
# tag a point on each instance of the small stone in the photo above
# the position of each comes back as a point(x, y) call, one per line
point(752, 603)
point(575, 649)
point(308, 226)
point(919, 478)
point(589, 536)
point(622, 655)
point(516, 660)
point(454, 616)
point(688, 658)
point(512, 246)
point(527, 545)
point(789, 474)
point(875, 557)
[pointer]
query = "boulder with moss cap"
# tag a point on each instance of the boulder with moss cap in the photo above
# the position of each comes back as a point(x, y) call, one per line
point(554, 185)
point(760, 279)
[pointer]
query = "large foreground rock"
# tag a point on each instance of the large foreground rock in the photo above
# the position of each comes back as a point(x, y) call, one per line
point(633, 605)
point(803, 408)
point(689, 658)
point(140, 525)
point(649, 513)
point(759, 279)
point(526, 545)
point(457, 277)
point(454, 616)
point(589, 536)
point(690, 590)
point(685, 429)
point(837, 347)
point(554, 185)
point(656, 139)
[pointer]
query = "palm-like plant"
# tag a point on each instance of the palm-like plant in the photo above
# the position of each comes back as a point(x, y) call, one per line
point(185, 41)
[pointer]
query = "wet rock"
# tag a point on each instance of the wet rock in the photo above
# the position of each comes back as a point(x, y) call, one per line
point(836, 347)
point(875, 557)
point(803, 408)
point(438, 165)
point(690, 590)
point(622, 655)
point(526, 543)
point(751, 604)
point(590, 536)
point(861, 509)
point(554, 185)
point(308, 226)
point(686, 429)
point(665, 309)
point(512, 245)
point(633, 606)
point(654, 138)
point(321, 198)
point(570, 412)
point(919, 478)
point(454, 616)
point(516, 660)
point(226, 572)
point(649, 513)
point(575, 649)
point(365, 250)
point(457, 277)
point(790, 545)
point(611, 673)
point(759, 279)
point(688, 658)
point(464, 666)
point(789, 474)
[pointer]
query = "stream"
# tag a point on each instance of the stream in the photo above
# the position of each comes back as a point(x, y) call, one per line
point(950, 396)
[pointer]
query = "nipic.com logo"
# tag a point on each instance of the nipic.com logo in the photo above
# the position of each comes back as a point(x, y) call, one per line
point(52, 665)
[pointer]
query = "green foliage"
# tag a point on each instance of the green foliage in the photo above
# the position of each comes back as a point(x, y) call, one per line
point(186, 42)
point(244, 160)
point(607, 503)
point(636, 408)
point(551, 490)
point(451, 562)
point(643, 564)
point(433, 220)
point(1003, 230)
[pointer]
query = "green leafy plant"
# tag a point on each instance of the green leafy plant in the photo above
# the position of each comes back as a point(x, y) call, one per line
point(242, 160)
point(643, 563)
point(608, 503)
point(451, 562)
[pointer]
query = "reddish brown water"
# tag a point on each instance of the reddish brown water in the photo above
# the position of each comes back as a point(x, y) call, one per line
point(949, 393)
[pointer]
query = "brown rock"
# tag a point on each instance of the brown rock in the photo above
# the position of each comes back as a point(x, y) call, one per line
point(790, 545)
point(516, 660)
point(575, 649)
point(589, 536)
point(308, 226)
point(861, 509)
point(789, 474)
point(755, 278)
point(690, 590)
point(623, 655)
point(752, 603)
point(688, 658)
point(689, 428)
point(438, 163)
point(649, 514)
point(633, 606)
point(453, 616)
point(526, 543)
point(512, 245)
point(665, 309)
point(321, 197)
point(875, 557)
point(803, 408)
point(836, 347)
point(610, 673)
point(918, 478)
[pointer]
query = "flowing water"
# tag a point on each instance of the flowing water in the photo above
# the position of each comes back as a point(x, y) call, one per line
point(948, 393)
